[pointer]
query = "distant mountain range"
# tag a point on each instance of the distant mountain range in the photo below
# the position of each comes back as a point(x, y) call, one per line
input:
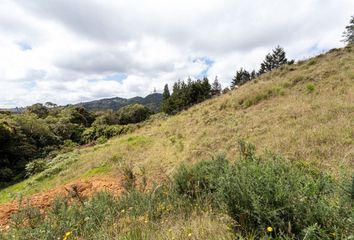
point(152, 101)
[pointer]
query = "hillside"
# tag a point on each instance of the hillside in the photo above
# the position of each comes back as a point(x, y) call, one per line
point(152, 101)
point(303, 111)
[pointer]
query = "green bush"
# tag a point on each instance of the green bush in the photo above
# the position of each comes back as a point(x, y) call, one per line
point(202, 179)
point(108, 131)
point(292, 198)
point(310, 88)
point(86, 220)
point(35, 167)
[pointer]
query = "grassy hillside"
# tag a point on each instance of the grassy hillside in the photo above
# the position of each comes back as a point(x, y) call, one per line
point(303, 111)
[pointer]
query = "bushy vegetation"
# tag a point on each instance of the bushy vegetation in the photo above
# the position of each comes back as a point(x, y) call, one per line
point(41, 132)
point(266, 196)
point(134, 113)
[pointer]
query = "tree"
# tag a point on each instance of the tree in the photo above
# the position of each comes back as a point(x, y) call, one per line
point(253, 74)
point(186, 94)
point(50, 105)
point(165, 99)
point(348, 34)
point(39, 109)
point(273, 60)
point(279, 57)
point(133, 113)
point(216, 87)
point(225, 90)
point(241, 77)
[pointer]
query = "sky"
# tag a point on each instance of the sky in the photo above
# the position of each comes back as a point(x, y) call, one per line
point(68, 51)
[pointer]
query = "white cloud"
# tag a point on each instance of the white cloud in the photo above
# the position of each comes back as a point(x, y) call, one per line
point(63, 51)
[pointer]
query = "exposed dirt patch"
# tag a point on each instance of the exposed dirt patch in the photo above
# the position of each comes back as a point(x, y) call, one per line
point(44, 200)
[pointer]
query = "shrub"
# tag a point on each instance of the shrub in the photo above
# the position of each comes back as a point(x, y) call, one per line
point(102, 140)
point(35, 167)
point(312, 62)
point(310, 88)
point(202, 179)
point(107, 131)
point(129, 178)
point(290, 197)
point(85, 220)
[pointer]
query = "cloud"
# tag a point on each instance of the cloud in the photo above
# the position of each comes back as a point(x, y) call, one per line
point(70, 51)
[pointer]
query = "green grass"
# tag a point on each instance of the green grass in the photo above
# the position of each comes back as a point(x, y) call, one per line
point(97, 171)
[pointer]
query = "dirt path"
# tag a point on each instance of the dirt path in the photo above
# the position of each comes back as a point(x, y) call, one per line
point(44, 200)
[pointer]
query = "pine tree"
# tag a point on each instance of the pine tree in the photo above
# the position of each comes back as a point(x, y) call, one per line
point(215, 87)
point(241, 77)
point(166, 100)
point(273, 60)
point(166, 93)
point(279, 57)
point(253, 74)
point(348, 34)
point(267, 64)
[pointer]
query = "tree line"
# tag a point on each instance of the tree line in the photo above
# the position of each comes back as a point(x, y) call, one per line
point(43, 131)
point(186, 94)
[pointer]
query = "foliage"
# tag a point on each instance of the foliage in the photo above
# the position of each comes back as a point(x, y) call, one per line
point(202, 179)
point(215, 87)
point(132, 114)
point(185, 95)
point(36, 166)
point(242, 76)
point(165, 98)
point(41, 132)
point(289, 197)
point(310, 88)
point(349, 32)
point(39, 109)
point(273, 60)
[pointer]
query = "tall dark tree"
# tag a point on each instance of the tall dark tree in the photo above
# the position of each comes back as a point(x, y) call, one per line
point(279, 57)
point(166, 93)
point(242, 76)
point(186, 94)
point(165, 99)
point(216, 87)
point(273, 60)
point(349, 32)
point(253, 74)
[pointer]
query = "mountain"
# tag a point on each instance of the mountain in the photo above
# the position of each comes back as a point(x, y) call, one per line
point(152, 101)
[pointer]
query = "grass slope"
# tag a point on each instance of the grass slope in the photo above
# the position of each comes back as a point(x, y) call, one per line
point(304, 111)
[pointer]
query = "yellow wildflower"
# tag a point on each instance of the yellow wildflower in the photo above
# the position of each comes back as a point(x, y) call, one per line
point(269, 229)
point(189, 234)
point(67, 235)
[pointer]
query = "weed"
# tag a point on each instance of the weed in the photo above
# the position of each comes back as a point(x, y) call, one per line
point(310, 88)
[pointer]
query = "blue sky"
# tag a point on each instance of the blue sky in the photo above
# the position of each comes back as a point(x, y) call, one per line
point(52, 51)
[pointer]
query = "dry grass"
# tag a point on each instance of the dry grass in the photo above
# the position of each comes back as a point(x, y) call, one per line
point(276, 112)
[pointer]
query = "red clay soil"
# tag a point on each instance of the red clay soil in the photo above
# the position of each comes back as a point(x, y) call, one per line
point(45, 199)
